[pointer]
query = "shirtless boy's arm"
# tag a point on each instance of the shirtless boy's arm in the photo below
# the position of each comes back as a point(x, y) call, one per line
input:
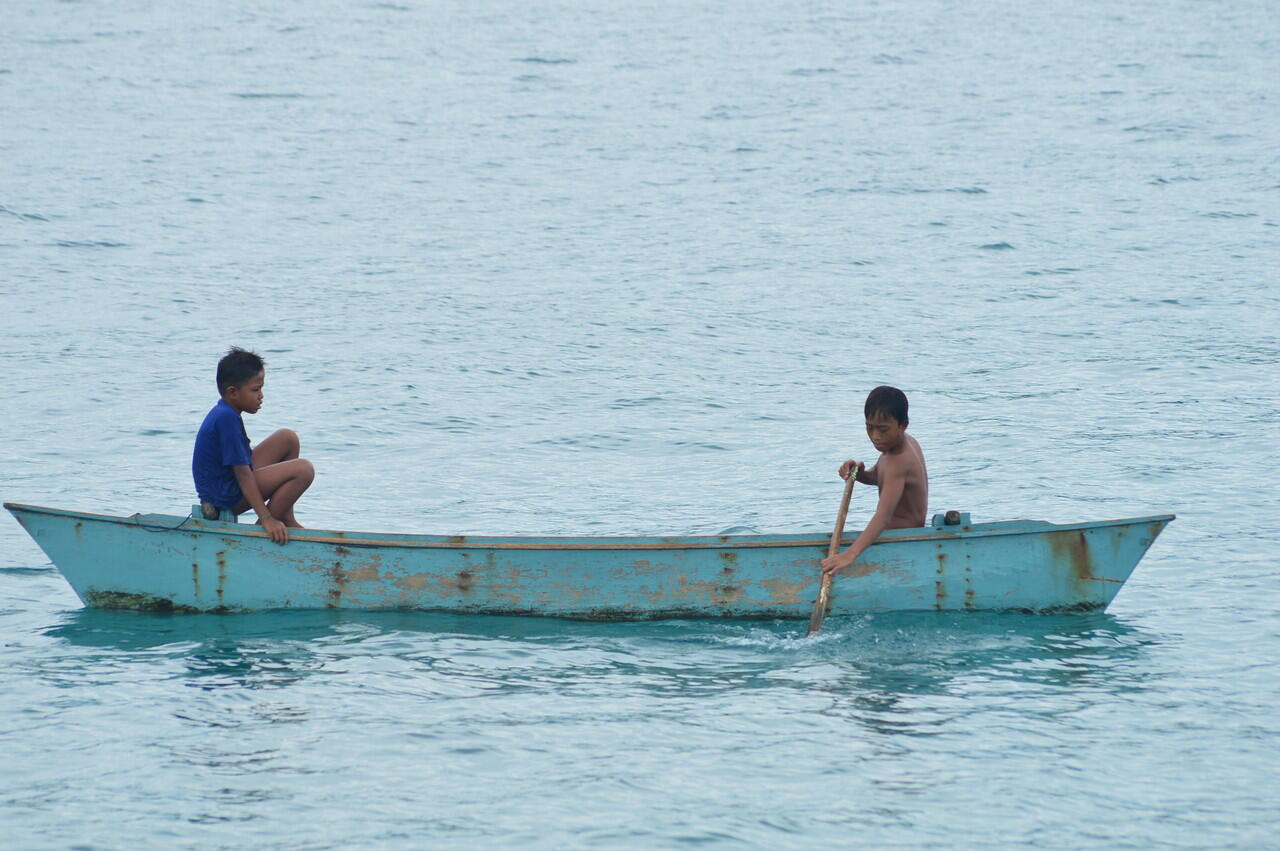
point(253, 495)
point(891, 475)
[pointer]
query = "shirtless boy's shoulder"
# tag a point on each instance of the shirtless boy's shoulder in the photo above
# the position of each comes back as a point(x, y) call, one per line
point(906, 460)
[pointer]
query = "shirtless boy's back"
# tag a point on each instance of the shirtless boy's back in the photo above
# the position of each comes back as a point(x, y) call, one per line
point(900, 474)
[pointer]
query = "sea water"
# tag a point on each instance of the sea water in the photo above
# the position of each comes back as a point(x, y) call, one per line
point(630, 268)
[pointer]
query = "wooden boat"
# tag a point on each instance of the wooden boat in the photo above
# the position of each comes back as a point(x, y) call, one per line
point(160, 562)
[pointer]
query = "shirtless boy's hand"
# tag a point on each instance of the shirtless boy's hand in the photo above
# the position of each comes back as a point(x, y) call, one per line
point(836, 563)
point(848, 466)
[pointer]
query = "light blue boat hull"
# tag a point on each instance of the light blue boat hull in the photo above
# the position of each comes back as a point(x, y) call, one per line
point(173, 563)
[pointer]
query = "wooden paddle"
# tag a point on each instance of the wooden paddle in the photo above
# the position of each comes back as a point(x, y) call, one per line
point(820, 605)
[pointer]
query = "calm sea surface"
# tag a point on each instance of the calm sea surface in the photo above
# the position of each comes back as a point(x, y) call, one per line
point(551, 267)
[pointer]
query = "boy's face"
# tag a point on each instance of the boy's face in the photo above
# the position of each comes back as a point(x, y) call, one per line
point(886, 433)
point(246, 398)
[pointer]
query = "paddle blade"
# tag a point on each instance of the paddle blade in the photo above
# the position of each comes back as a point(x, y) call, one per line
point(820, 605)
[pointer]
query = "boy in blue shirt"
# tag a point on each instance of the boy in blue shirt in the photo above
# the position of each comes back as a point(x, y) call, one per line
point(227, 473)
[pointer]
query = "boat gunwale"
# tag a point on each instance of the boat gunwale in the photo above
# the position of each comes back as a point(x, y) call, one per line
point(693, 542)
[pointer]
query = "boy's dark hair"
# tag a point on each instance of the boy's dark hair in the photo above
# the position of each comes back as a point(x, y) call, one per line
point(238, 366)
point(888, 401)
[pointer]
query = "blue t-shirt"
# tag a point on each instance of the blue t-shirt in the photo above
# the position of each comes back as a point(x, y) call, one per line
point(221, 444)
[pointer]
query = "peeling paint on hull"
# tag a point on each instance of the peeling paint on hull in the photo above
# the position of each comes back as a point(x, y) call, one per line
point(187, 564)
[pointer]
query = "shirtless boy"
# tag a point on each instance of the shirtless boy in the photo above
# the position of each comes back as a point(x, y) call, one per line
point(228, 475)
point(899, 473)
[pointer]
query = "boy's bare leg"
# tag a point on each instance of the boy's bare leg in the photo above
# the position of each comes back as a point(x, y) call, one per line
point(280, 448)
point(282, 476)
point(281, 484)
point(282, 445)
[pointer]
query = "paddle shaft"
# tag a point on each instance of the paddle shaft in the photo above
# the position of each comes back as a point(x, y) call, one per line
point(820, 605)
